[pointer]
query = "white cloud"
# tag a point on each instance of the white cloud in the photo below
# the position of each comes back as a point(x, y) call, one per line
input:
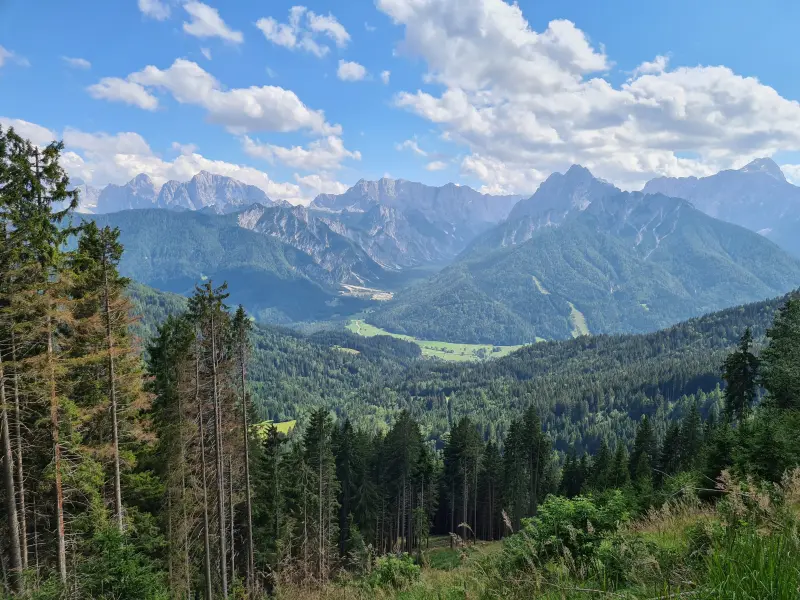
point(350, 71)
point(411, 145)
point(369, 27)
point(658, 65)
point(527, 103)
point(240, 110)
point(329, 26)
point(323, 154)
point(77, 63)
point(385, 75)
point(184, 148)
point(41, 136)
point(121, 90)
point(206, 22)
point(792, 173)
point(206, 53)
point(436, 165)
point(316, 184)
point(9, 56)
point(103, 158)
point(303, 29)
point(155, 9)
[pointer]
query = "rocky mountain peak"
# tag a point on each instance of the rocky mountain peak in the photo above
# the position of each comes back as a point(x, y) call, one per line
point(764, 165)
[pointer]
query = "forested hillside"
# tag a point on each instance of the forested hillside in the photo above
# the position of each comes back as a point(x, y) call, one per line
point(172, 251)
point(581, 256)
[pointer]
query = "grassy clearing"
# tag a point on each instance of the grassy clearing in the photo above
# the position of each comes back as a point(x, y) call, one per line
point(434, 349)
point(284, 427)
point(578, 320)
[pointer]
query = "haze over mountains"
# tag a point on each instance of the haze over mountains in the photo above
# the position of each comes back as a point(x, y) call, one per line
point(756, 196)
point(577, 256)
point(581, 256)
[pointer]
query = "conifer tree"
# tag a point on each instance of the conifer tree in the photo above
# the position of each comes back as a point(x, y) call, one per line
point(740, 373)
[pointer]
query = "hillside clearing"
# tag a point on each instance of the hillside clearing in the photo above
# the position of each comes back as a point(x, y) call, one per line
point(435, 349)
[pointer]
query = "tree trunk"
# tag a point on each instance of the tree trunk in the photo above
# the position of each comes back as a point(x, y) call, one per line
point(54, 422)
point(10, 491)
point(23, 519)
point(112, 394)
point(248, 491)
point(223, 566)
point(230, 504)
point(206, 532)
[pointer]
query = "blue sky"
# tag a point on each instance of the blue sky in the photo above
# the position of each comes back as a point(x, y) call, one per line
point(479, 92)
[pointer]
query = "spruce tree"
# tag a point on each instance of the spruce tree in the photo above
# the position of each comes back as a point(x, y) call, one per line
point(740, 373)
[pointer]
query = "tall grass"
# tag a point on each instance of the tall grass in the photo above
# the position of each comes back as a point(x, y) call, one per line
point(748, 565)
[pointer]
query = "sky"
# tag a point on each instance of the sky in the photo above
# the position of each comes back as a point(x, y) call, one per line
point(301, 99)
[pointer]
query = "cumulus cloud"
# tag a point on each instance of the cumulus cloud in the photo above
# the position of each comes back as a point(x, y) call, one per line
point(385, 75)
point(657, 65)
point(436, 165)
point(411, 145)
point(101, 158)
point(323, 154)
point(155, 9)
point(303, 29)
point(350, 71)
point(41, 136)
point(316, 184)
point(205, 23)
point(527, 103)
point(77, 63)
point(240, 110)
point(121, 90)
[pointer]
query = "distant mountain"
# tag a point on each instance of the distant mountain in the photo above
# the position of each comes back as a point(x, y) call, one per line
point(404, 223)
point(203, 191)
point(296, 226)
point(174, 250)
point(756, 196)
point(581, 256)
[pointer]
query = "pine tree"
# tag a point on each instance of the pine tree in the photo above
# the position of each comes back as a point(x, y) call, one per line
point(599, 474)
point(241, 332)
point(691, 438)
point(781, 358)
point(740, 373)
point(644, 450)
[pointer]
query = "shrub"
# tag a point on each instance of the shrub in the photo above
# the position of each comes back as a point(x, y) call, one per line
point(395, 572)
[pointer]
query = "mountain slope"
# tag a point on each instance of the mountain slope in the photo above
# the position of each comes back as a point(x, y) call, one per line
point(401, 223)
point(617, 262)
point(298, 227)
point(757, 197)
point(172, 251)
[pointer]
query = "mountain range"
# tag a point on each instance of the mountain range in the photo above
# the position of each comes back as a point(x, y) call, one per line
point(581, 256)
point(203, 191)
point(756, 196)
point(577, 256)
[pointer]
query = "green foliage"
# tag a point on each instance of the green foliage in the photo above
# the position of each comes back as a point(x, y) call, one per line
point(117, 570)
point(394, 572)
